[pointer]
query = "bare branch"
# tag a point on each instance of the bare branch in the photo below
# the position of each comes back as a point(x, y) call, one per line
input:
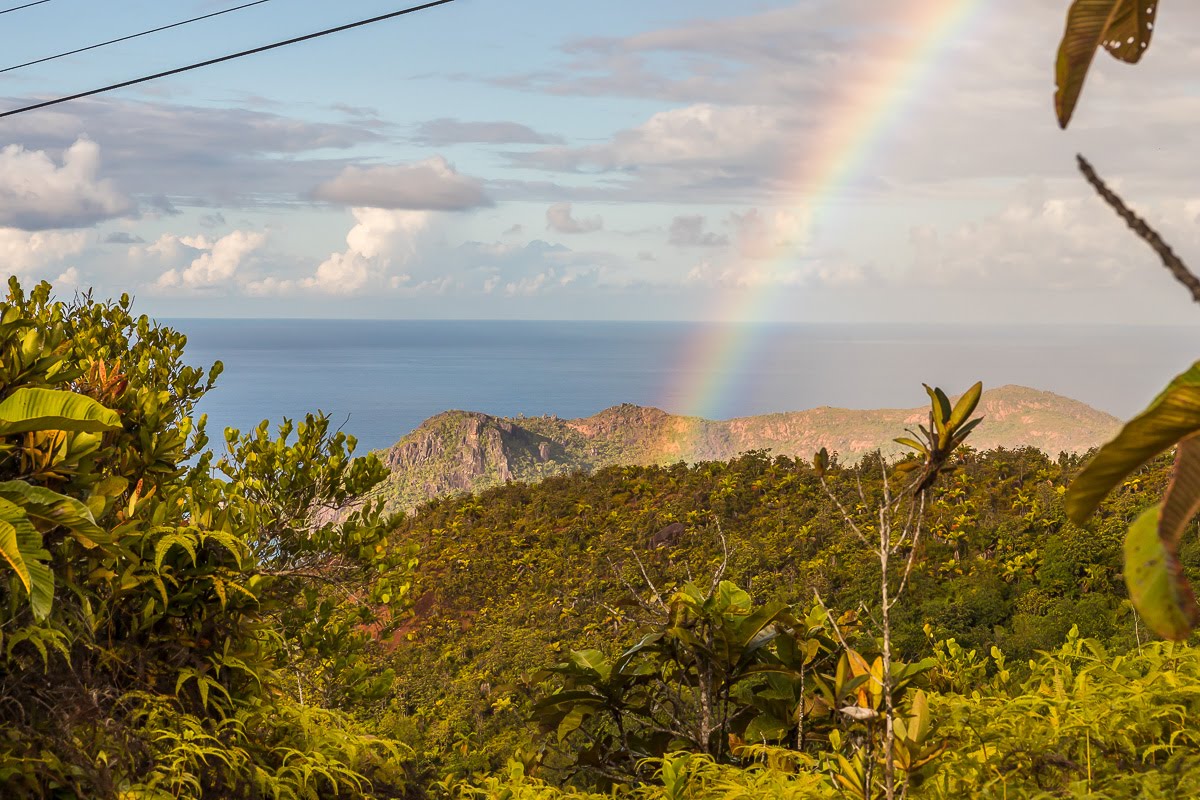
point(912, 554)
point(720, 573)
point(829, 614)
point(845, 514)
point(1139, 226)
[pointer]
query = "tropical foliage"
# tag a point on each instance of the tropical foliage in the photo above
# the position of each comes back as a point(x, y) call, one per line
point(170, 625)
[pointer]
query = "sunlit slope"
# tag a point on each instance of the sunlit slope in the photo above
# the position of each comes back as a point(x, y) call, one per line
point(469, 451)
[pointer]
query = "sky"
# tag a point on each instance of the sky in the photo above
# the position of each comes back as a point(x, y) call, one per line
point(813, 161)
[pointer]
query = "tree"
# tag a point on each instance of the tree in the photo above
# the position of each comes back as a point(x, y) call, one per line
point(898, 518)
point(155, 616)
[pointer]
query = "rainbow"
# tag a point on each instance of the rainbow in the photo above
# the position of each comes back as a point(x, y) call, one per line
point(872, 104)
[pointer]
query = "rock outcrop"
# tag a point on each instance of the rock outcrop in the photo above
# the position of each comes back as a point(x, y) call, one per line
point(460, 451)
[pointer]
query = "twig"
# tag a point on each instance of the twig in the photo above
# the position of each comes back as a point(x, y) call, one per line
point(916, 540)
point(1147, 234)
point(829, 615)
point(845, 514)
point(720, 573)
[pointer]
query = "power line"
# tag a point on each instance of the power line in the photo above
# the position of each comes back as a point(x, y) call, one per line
point(124, 38)
point(27, 5)
point(220, 59)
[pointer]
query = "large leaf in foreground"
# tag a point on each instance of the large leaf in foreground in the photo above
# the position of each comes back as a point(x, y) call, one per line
point(55, 509)
point(1122, 27)
point(1173, 416)
point(30, 409)
point(22, 549)
point(1155, 579)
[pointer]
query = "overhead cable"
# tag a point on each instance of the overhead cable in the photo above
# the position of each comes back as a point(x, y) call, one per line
point(27, 5)
point(127, 38)
point(218, 60)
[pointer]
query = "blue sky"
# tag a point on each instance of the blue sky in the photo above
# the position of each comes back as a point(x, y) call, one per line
point(618, 160)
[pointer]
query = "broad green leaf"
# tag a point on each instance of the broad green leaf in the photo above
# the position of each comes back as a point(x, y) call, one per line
point(56, 509)
point(10, 551)
point(918, 727)
point(41, 592)
point(1174, 415)
point(1155, 579)
point(572, 721)
point(732, 600)
point(30, 409)
point(1123, 27)
point(876, 684)
point(965, 405)
point(765, 728)
point(750, 631)
point(592, 661)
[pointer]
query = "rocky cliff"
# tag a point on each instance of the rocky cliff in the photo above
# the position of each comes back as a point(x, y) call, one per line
point(468, 451)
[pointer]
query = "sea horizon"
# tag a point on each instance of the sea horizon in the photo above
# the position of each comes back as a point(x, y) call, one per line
point(379, 379)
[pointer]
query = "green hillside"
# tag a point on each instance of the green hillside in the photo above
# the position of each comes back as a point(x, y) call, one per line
point(514, 579)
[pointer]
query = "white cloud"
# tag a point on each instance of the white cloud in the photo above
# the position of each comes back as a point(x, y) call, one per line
point(430, 185)
point(379, 240)
point(37, 194)
point(698, 134)
point(560, 218)
point(217, 263)
point(1057, 242)
point(24, 251)
point(68, 278)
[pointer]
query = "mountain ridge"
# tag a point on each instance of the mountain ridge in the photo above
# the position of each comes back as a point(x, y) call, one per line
point(468, 451)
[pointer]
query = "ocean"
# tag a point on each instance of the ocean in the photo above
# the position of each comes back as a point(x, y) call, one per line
point(380, 379)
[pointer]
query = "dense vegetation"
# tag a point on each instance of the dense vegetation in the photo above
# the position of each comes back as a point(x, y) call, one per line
point(177, 623)
point(171, 625)
point(521, 576)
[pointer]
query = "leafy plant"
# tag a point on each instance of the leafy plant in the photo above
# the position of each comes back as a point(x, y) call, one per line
point(154, 617)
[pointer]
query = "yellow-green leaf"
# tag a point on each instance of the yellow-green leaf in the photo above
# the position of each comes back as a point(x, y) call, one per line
point(913, 443)
point(965, 405)
point(29, 409)
point(1173, 416)
point(1155, 579)
point(11, 552)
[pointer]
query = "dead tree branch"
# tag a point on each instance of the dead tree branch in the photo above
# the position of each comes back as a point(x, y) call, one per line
point(1139, 226)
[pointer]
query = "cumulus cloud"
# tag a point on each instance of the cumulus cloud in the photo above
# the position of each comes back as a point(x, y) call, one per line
point(25, 251)
point(68, 279)
point(559, 218)
point(379, 240)
point(429, 185)
point(689, 231)
point(447, 131)
point(700, 134)
point(216, 265)
point(38, 194)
